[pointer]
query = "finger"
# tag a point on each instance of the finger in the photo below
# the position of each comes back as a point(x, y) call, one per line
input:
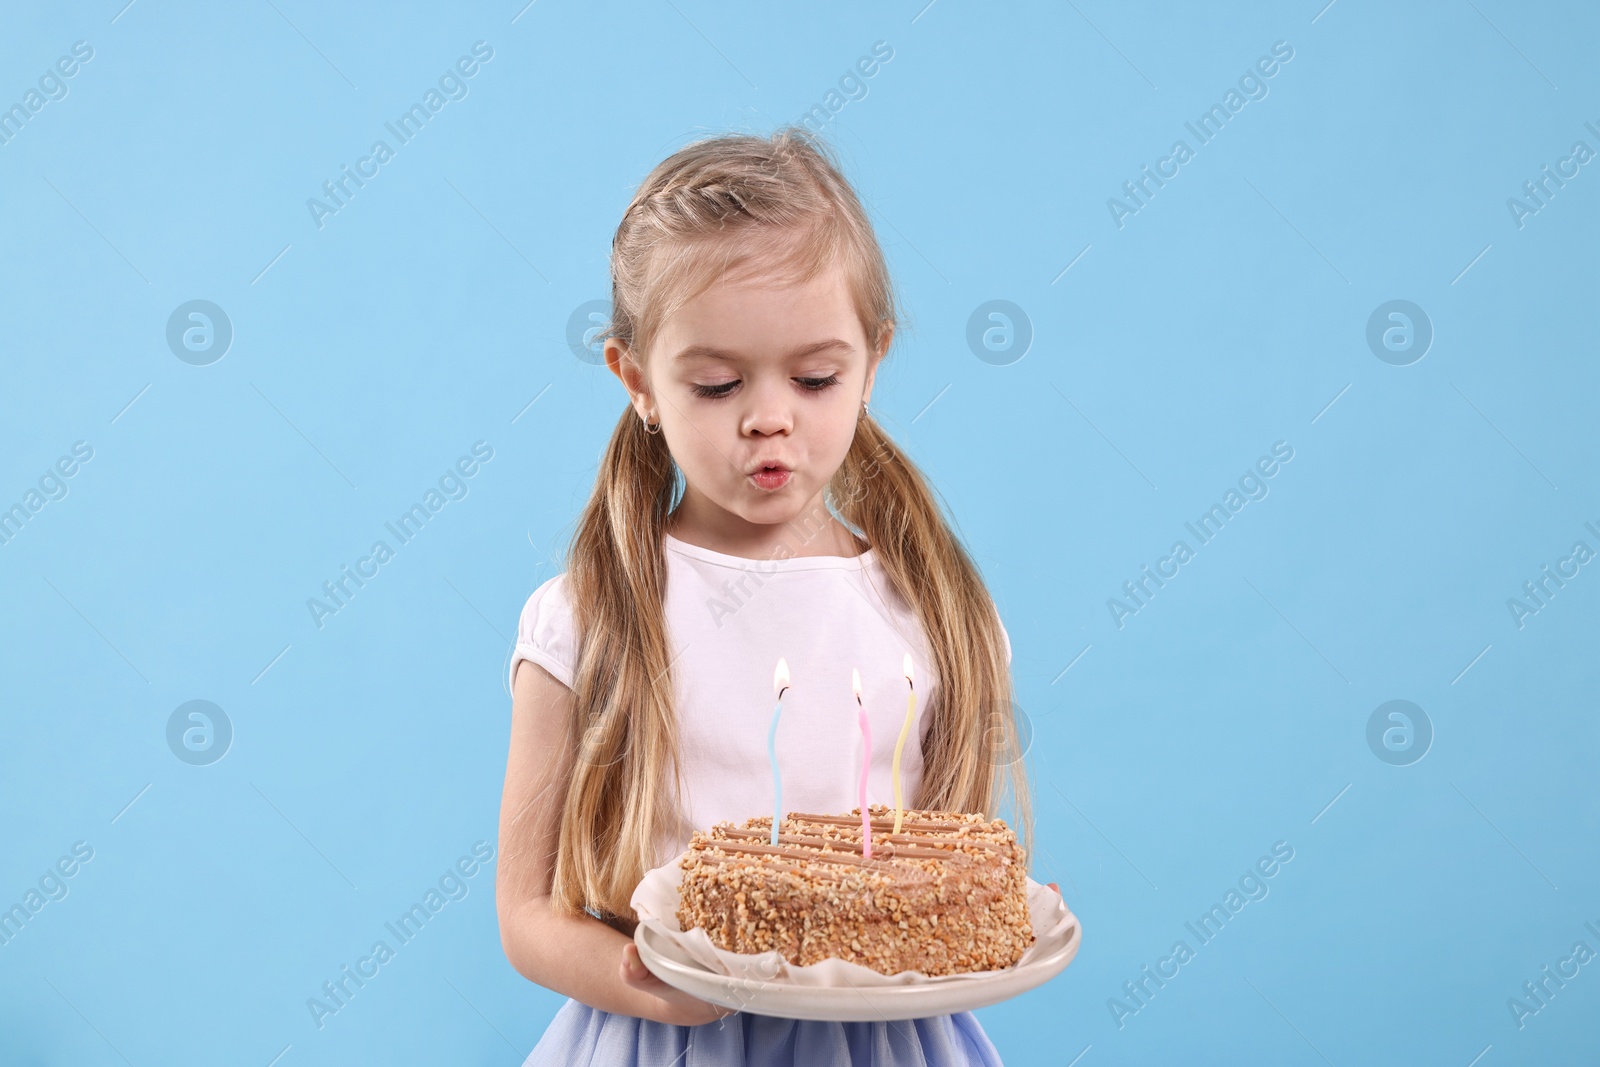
point(634, 971)
point(642, 978)
point(643, 981)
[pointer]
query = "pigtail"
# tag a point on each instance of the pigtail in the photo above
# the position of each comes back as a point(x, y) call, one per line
point(973, 748)
point(623, 732)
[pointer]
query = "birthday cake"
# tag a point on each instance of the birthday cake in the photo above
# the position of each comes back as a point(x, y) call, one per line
point(946, 895)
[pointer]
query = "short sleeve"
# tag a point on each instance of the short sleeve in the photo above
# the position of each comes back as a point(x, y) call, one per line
point(1003, 635)
point(546, 632)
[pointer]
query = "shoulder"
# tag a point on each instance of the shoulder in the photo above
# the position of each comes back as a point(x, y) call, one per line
point(546, 602)
point(904, 606)
point(547, 631)
point(1005, 637)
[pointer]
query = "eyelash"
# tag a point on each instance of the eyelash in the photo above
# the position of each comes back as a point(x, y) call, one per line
point(717, 392)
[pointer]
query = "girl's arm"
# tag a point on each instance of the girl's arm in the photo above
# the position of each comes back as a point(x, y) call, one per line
point(578, 956)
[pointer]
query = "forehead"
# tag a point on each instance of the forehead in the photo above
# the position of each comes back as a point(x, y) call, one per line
point(765, 318)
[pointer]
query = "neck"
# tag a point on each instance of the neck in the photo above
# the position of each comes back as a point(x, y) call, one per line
point(794, 538)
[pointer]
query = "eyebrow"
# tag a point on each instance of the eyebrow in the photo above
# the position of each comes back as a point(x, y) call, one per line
point(713, 352)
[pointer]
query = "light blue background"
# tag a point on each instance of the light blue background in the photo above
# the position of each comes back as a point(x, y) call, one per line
point(1228, 314)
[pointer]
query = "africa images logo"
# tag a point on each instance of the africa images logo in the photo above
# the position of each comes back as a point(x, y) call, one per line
point(451, 86)
point(1211, 122)
point(452, 486)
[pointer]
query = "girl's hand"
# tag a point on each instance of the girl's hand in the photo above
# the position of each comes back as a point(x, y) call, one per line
point(670, 1005)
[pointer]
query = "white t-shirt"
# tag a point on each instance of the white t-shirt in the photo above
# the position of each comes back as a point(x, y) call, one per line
point(728, 620)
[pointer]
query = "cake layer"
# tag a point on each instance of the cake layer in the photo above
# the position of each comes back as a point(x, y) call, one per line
point(948, 894)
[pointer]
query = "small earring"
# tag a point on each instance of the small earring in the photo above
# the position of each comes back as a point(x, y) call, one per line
point(648, 430)
point(864, 410)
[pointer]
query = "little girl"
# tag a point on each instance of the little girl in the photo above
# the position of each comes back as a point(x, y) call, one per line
point(747, 508)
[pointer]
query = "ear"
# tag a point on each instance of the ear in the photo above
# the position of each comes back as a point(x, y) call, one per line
point(875, 358)
point(621, 362)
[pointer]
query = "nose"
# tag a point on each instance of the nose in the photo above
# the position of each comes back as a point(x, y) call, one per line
point(769, 410)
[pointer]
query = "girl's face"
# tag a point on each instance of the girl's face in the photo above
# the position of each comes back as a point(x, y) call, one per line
point(748, 376)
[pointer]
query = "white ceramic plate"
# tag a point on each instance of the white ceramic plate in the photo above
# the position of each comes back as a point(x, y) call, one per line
point(835, 989)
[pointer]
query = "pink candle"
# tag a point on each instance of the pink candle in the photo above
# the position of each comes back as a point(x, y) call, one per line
point(866, 762)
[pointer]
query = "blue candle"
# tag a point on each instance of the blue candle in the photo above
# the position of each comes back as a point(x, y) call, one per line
point(780, 682)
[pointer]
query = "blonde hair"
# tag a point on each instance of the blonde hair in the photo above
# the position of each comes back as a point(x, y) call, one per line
point(719, 209)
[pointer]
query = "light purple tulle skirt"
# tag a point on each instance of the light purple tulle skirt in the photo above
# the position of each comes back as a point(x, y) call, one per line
point(581, 1036)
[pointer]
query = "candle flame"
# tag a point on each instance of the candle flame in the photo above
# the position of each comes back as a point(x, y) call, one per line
point(906, 667)
point(780, 677)
point(855, 682)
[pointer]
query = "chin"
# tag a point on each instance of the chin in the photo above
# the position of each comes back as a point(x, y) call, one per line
point(768, 508)
point(766, 512)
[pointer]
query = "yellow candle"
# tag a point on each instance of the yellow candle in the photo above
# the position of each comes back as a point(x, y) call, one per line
point(905, 729)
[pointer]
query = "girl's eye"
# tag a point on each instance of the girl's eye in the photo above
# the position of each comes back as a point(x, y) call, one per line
point(811, 385)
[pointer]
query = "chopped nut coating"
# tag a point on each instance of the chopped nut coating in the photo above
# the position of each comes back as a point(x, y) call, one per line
point(946, 895)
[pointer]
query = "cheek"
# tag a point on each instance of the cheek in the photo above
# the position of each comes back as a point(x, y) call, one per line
point(702, 450)
point(839, 427)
